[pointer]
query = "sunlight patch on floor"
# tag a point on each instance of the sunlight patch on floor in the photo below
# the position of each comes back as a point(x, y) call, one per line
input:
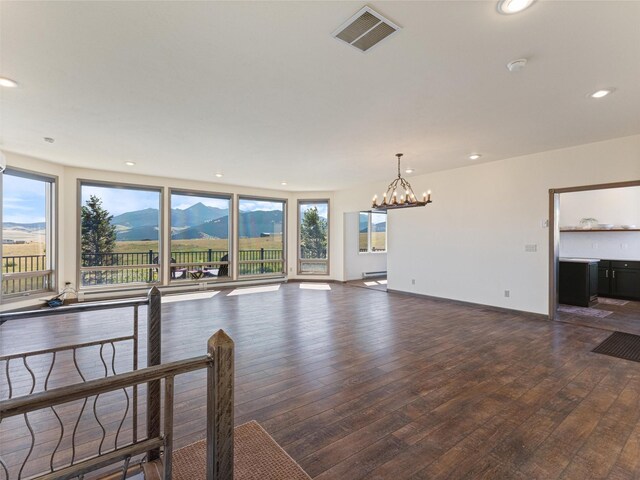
point(249, 290)
point(371, 284)
point(315, 286)
point(382, 282)
point(188, 296)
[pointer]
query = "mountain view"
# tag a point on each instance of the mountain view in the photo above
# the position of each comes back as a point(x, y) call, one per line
point(375, 227)
point(143, 224)
point(197, 221)
point(23, 232)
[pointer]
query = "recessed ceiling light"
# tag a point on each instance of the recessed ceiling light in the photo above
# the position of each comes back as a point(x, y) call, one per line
point(129, 164)
point(219, 175)
point(283, 183)
point(474, 156)
point(409, 170)
point(509, 7)
point(8, 83)
point(601, 93)
point(49, 139)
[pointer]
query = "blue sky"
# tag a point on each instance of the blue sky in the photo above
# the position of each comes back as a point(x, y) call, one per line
point(23, 200)
point(322, 209)
point(182, 202)
point(122, 200)
point(254, 205)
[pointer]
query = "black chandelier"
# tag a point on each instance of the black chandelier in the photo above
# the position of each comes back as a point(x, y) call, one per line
point(407, 199)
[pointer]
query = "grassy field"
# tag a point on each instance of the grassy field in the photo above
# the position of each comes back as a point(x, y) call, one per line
point(176, 246)
point(378, 241)
point(200, 245)
point(268, 243)
point(34, 248)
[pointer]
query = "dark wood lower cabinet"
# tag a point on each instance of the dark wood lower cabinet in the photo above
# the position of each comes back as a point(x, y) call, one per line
point(619, 279)
point(578, 283)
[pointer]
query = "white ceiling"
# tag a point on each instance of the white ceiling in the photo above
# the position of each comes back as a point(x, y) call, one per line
point(262, 92)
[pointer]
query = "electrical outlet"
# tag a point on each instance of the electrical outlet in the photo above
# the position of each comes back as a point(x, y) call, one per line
point(507, 293)
point(594, 245)
point(544, 224)
point(413, 281)
point(290, 269)
point(531, 248)
point(624, 246)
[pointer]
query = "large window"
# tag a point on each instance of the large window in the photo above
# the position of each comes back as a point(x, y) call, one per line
point(119, 234)
point(313, 237)
point(261, 229)
point(28, 251)
point(200, 240)
point(372, 232)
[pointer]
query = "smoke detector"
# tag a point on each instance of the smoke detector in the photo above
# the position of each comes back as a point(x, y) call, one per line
point(365, 29)
point(517, 65)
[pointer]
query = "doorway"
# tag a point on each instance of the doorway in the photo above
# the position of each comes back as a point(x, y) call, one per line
point(594, 255)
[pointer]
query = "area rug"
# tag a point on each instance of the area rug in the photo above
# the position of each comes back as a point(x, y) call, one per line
point(257, 457)
point(612, 301)
point(621, 345)
point(585, 312)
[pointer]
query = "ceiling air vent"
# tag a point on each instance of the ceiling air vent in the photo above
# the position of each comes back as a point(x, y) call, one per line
point(365, 29)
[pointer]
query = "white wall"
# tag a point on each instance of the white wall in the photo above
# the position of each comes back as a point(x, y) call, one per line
point(601, 245)
point(356, 263)
point(470, 243)
point(617, 206)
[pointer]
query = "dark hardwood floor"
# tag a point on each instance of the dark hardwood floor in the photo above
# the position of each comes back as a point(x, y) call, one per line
point(356, 383)
point(376, 283)
point(623, 318)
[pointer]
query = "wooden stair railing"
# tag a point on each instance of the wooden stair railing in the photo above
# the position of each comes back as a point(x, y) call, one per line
point(219, 363)
point(154, 324)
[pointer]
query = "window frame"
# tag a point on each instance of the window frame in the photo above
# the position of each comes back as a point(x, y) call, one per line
point(369, 232)
point(161, 227)
point(305, 201)
point(231, 262)
point(51, 230)
point(285, 230)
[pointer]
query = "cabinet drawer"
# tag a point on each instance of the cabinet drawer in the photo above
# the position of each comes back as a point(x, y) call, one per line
point(625, 264)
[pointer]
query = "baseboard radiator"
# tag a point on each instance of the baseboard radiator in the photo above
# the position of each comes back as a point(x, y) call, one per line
point(374, 274)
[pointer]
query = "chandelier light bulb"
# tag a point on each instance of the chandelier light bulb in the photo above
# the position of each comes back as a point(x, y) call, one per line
point(400, 187)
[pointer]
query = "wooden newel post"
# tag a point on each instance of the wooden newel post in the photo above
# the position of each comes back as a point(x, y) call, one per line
point(220, 374)
point(154, 350)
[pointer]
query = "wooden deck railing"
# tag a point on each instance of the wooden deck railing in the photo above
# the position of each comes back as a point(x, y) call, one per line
point(25, 273)
point(28, 273)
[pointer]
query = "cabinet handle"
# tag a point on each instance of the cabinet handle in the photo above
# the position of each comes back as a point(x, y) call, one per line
point(614, 274)
point(606, 274)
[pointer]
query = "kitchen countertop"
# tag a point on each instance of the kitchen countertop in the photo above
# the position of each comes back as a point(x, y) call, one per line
point(579, 260)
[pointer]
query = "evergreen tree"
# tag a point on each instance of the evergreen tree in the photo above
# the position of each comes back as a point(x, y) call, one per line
point(313, 235)
point(98, 235)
